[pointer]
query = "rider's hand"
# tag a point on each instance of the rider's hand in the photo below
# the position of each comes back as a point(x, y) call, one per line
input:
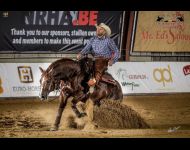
point(110, 63)
point(79, 56)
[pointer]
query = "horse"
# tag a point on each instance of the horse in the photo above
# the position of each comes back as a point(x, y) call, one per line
point(71, 78)
point(66, 73)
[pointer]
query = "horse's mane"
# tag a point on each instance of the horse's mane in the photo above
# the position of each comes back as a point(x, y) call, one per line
point(55, 63)
point(83, 61)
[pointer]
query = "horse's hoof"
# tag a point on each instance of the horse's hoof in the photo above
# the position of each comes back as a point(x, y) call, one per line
point(97, 103)
point(54, 128)
point(90, 126)
point(83, 115)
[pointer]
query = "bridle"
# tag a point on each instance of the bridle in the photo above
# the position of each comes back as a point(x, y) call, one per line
point(57, 88)
point(56, 85)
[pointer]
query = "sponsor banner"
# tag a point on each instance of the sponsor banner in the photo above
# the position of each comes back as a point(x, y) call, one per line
point(151, 77)
point(22, 79)
point(54, 31)
point(162, 31)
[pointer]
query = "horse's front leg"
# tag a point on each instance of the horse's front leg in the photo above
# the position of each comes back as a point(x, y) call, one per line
point(78, 97)
point(63, 102)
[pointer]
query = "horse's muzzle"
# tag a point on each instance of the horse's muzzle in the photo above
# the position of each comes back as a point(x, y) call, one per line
point(42, 97)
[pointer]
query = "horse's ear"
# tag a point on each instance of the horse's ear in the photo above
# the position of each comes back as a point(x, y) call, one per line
point(42, 71)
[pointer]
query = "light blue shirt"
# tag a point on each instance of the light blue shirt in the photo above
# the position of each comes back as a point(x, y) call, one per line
point(103, 46)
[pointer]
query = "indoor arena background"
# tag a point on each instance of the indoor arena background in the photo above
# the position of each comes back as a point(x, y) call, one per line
point(153, 71)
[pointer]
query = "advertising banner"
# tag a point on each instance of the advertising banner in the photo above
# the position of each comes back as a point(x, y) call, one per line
point(151, 77)
point(23, 79)
point(162, 31)
point(53, 31)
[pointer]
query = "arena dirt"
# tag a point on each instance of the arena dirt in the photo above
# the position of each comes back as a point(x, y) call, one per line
point(135, 117)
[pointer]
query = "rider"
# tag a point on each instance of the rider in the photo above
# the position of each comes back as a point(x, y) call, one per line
point(101, 47)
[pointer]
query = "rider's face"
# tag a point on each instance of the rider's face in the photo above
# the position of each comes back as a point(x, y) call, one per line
point(100, 31)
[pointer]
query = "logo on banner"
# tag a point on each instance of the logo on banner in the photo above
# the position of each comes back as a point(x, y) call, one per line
point(122, 74)
point(186, 70)
point(171, 20)
point(132, 84)
point(162, 75)
point(74, 18)
point(176, 17)
point(1, 88)
point(25, 74)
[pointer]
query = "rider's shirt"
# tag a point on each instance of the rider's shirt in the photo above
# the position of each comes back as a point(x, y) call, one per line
point(103, 46)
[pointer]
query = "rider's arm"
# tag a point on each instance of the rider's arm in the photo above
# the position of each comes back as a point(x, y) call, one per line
point(114, 49)
point(87, 48)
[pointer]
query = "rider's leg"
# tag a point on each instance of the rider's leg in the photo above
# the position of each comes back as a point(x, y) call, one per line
point(101, 66)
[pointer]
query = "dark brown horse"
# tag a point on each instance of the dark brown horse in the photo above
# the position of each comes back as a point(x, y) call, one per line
point(72, 77)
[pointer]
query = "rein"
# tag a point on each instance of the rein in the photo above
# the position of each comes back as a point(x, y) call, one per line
point(49, 88)
point(49, 100)
point(58, 90)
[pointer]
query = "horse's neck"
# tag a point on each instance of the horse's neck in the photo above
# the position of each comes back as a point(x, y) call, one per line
point(81, 66)
point(59, 62)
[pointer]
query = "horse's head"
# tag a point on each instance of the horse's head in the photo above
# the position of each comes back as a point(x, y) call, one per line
point(47, 84)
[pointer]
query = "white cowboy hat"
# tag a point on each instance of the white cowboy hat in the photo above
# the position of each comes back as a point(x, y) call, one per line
point(106, 28)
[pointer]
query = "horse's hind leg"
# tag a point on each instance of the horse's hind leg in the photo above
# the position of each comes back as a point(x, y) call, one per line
point(63, 102)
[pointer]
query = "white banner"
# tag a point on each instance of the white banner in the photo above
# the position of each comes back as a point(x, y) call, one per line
point(152, 77)
point(22, 79)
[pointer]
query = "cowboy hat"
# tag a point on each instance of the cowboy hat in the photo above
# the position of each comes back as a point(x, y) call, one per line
point(106, 28)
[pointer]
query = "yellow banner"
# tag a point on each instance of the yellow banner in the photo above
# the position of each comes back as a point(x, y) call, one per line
point(162, 31)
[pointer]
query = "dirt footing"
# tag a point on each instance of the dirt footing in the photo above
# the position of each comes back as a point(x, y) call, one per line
point(113, 114)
